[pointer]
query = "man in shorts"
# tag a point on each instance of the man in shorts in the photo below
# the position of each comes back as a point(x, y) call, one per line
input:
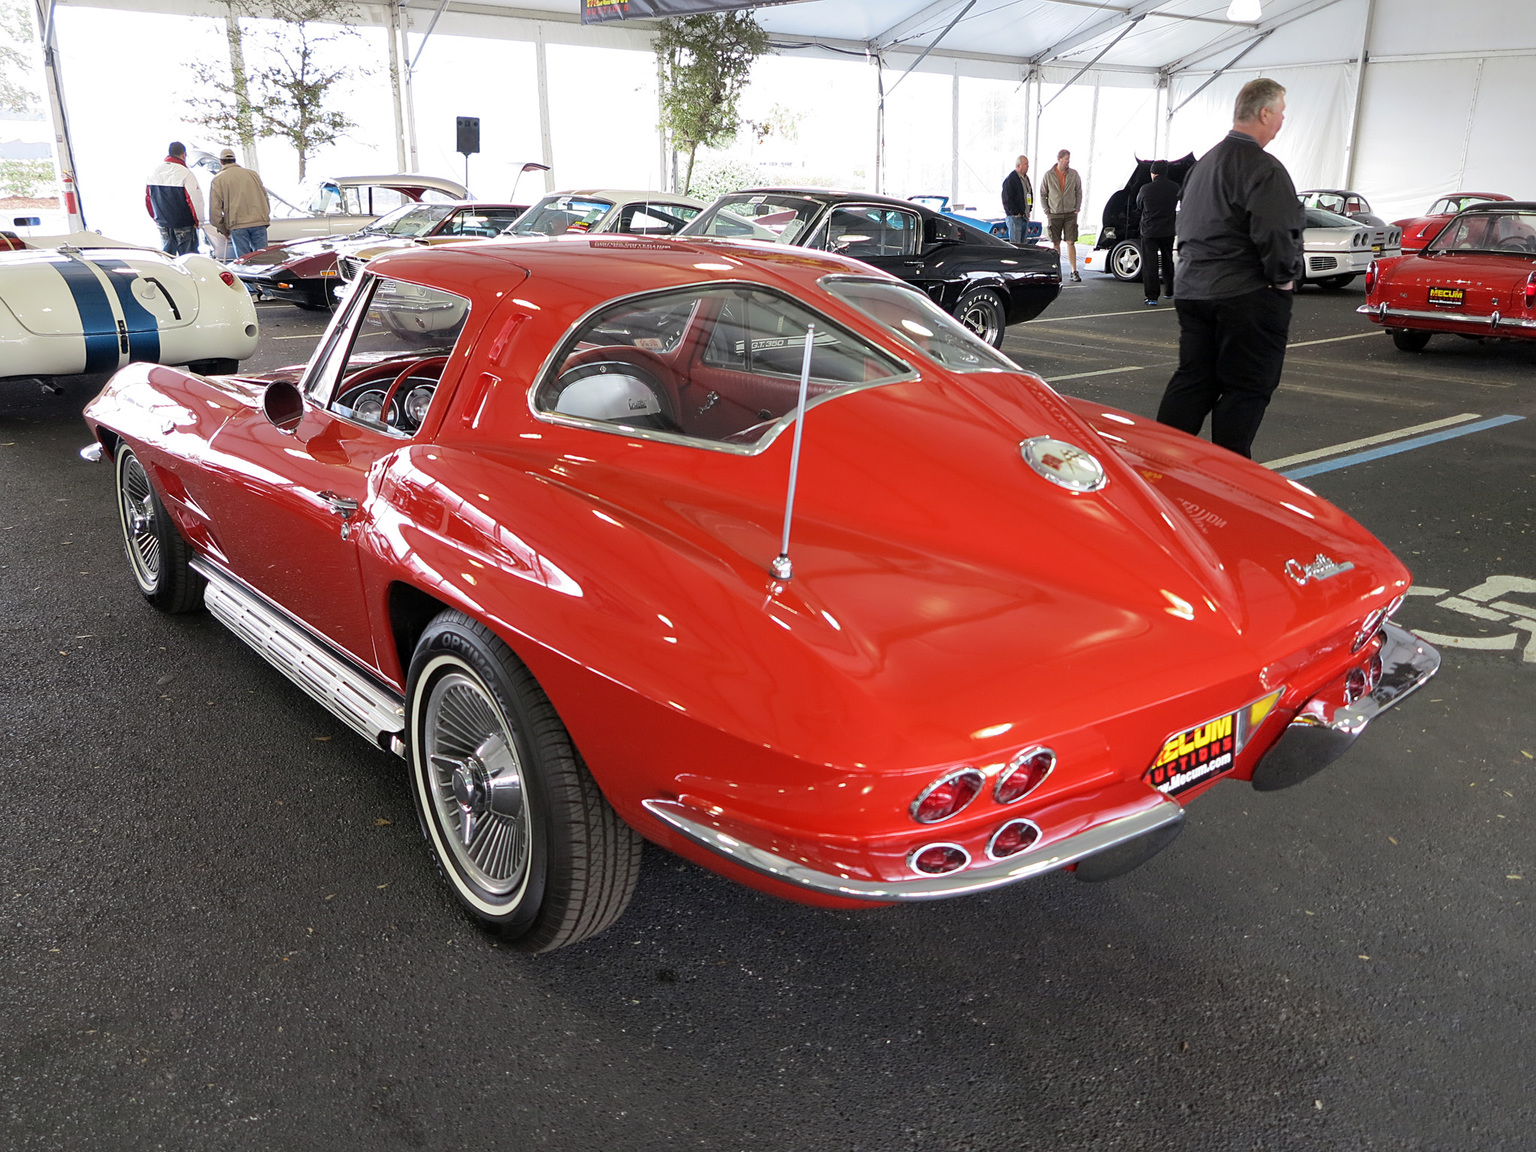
point(1061, 196)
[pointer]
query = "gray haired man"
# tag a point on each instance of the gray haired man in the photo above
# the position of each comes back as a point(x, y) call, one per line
point(1239, 245)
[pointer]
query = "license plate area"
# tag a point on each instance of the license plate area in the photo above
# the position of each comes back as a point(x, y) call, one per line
point(1196, 755)
point(1447, 297)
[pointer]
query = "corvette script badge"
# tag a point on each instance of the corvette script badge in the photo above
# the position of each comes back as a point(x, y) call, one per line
point(1320, 569)
point(1064, 464)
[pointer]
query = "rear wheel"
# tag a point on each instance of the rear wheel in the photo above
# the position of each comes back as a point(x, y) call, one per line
point(512, 817)
point(982, 311)
point(1407, 340)
point(1125, 260)
point(157, 555)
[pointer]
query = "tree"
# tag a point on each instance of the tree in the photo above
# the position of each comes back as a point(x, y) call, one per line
point(15, 58)
point(704, 63)
point(286, 95)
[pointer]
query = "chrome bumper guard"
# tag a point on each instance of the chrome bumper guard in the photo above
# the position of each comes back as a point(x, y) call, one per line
point(1329, 723)
point(1492, 323)
point(1159, 812)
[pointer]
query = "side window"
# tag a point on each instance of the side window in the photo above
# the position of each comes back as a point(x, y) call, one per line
point(382, 371)
point(485, 221)
point(871, 231)
point(381, 200)
point(713, 365)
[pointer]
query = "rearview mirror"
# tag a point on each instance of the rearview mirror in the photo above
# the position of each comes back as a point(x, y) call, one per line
point(283, 406)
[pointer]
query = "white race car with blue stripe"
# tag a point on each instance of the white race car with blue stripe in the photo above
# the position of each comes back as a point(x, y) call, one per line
point(67, 311)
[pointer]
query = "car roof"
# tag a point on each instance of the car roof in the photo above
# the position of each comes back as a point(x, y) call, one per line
point(1502, 206)
point(829, 195)
point(1485, 195)
point(1332, 192)
point(623, 195)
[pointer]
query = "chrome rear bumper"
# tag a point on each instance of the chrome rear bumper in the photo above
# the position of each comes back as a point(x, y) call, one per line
point(1330, 722)
point(1158, 812)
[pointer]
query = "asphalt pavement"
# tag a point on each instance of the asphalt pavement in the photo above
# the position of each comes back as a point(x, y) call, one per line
point(223, 932)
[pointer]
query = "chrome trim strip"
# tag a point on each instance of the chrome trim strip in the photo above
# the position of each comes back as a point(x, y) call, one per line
point(1406, 664)
point(1496, 321)
point(353, 698)
point(1159, 810)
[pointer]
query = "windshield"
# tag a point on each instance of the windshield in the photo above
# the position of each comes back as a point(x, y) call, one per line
point(1317, 218)
point(760, 216)
point(555, 215)
point(1483, 231)
point(410, 220)
point(1447, 205)
point(921, 323)
point(710, 365)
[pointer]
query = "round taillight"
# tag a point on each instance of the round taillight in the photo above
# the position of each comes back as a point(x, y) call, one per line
point(937, 859)
point(228, 277)
point(1370, 278)
point(1012, 838)
point(1025, 772)
point(1362, 680)
point(1530, 290)
point(1368, 629)
point(947, 795)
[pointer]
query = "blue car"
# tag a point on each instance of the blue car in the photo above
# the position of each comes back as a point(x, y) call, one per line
point(997, 226)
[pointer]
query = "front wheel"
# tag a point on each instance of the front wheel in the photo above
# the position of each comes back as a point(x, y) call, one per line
point(157, 555)
point(512, 817)
point(1407, 340)
point(982, 311)
point(1125, 260)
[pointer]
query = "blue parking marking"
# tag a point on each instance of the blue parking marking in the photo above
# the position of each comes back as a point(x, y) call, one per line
point(143, 325)
point(1393, 449)
point(98, 323)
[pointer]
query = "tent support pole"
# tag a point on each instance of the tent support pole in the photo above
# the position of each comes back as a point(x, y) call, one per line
point(1354, 118)
point(393, 12)
point(544, 133)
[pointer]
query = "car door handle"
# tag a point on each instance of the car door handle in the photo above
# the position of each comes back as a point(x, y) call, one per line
point(343, 506)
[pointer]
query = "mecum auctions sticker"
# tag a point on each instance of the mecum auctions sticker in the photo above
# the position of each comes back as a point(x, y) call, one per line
point(1195, 755)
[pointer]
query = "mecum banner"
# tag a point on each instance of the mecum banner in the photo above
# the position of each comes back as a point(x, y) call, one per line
point(600, 11)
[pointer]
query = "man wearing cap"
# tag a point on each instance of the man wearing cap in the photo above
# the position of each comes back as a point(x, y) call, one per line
point(174, 201)
point(237, 206)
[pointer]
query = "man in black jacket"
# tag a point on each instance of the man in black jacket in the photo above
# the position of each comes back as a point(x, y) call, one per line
point(1158, 202)
point(1239, 244)
point(1018, 200)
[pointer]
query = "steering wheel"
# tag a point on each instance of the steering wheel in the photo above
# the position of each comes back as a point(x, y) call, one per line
point(419, 366)
point(1518, 244)
point(664, 379)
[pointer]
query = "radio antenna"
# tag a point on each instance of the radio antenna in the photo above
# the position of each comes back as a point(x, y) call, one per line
point(781, 568)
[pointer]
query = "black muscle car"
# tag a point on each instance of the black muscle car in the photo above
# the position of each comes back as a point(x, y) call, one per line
point(984, 282)
point(1121, 230)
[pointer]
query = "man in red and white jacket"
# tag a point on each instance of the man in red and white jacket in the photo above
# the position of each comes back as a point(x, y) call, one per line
point(174, 200)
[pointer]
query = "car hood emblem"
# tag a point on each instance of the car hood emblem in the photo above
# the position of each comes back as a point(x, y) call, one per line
point(1319, 569)
point(1064, 464)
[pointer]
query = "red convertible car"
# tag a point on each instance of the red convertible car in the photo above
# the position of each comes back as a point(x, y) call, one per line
point(1476, 278)
point(757, 553)
point(1420, 230)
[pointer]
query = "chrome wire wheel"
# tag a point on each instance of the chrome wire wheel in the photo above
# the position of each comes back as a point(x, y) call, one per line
point(476, 786)
point(141, 528)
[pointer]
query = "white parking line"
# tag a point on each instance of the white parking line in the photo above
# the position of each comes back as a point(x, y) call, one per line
point(1367, 441)
point(303, 336)
point(1336, 339)
point(1100, 372)
point(1095, 315)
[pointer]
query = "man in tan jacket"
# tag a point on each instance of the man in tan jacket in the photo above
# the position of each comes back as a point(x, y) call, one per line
point(1061, 195)
point(238, 207)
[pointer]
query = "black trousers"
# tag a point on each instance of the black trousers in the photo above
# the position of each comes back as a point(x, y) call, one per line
point(1231, 353)
point(1153, 250)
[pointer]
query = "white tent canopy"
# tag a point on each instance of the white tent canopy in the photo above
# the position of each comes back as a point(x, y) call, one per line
point(1423, 115)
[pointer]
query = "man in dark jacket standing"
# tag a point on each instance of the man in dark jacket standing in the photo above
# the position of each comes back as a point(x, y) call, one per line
point(1239, 244)
point(173, 199)
point(1018, 200)
point(1158, 202)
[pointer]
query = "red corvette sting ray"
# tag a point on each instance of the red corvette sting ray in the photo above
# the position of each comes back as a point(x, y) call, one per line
point(755, 553)
point(1476, 278)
